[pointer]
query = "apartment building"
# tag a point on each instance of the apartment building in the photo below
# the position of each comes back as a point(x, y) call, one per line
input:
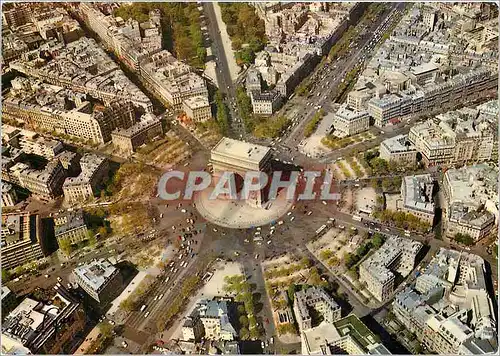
point(100, 280)
point(388, 107)
point(348, 335)
point(446, 334)
point(70, 227)
point(92, 72)
point(461, 88)
point(417, 196)
point(171, 79)
point(348, 121)
point(16, 16)
point(85, 185)
point(130, 40)
point(9, 195)
point(455, 137)
point(89, 122)
point(317, 299)
point(47, 183)
point(50, 327)
point(9, 301)
point(449, 308)
point(32, 143)
point(471, 194)
point(398, 149)
point(128, 140)
point(253, 81)
point(266, 103)
point(197, 108)
point(396, 254)
point(209, 319)
point(21, 239)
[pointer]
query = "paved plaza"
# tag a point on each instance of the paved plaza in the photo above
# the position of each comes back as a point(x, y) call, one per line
point(238, 214)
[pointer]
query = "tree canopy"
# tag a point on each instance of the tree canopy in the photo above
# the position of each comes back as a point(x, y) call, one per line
point(246, 29)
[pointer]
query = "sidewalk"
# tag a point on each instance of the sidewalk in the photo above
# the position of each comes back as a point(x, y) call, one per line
point(226, 42)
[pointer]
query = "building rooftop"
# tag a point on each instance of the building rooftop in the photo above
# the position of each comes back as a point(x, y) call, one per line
point(31, 323)
point(378, 263)
point(67, 221)
point(351, 325)
point(347, 113)
point(472, 184)
point(197, 102)
point(5, 291)
point(89, 164)
point(424, 68)
point(235, 149)
point(146, 122)
point(17, 228)
point(415, 193)
point(317, 338)
point(217, 309)
point(399, 143)
point(268, 96)
point(96, 274)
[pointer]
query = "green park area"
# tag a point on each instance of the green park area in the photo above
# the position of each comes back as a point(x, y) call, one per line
point(245, 28)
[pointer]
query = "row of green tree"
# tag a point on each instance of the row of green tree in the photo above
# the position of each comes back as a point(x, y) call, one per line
point(243, 290)
point(134, 300)
point(179, 302)
point(402, 220)
point(351, 259)
point(465, 239)
point(313, 124)
point(245, 109)
point(246, 29)
point(222, 116)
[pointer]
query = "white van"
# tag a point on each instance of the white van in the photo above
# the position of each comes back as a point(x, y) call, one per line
point(143, 307)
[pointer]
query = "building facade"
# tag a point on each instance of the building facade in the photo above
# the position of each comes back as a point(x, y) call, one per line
point(398, 149)
point(348, 121)
point(128, 140)
point(85, 185)
point(266, 103)
point(21, 240)
point(46, 184)
point(417, 196)
point(70, 227)
point(9, 195)
point(317, 299)
point(197, 108)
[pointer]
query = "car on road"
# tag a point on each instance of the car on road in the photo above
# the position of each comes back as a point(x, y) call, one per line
point(146, 315)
